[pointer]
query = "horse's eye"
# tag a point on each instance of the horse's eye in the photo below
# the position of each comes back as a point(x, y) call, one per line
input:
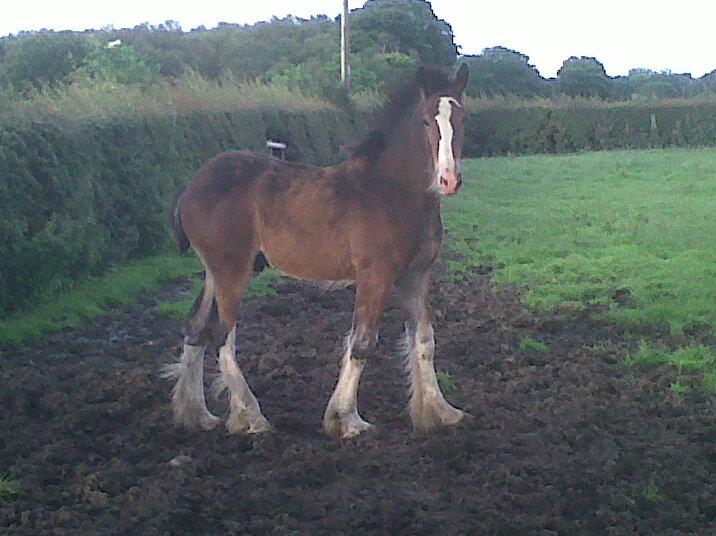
point(426, 122)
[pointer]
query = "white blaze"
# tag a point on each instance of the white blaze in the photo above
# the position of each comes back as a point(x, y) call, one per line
point(446, 157)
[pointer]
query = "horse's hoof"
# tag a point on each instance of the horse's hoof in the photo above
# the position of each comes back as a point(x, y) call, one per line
point(434, 417)
point(357, 429)
point(347, 426)
point(260, 427)
point(242, 427)
point(192, 419)
point(208, 421)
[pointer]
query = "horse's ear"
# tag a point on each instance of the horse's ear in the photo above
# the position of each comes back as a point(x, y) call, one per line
point(423, 80)
point(460, 82)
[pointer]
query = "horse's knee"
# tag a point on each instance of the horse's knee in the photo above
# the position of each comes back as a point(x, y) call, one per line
point(216, 336)
point(204, 328)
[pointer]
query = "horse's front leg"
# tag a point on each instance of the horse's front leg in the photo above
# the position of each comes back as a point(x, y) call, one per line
point(341, 418)
point(428, 407)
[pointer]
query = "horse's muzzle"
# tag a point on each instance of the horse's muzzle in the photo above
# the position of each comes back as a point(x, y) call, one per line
point(449, 182)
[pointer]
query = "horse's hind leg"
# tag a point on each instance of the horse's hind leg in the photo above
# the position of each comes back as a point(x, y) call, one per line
point(245, 415)
point(188, 402)
point(428, 407)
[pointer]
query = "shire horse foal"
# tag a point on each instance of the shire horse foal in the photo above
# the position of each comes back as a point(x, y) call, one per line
point(373, 219)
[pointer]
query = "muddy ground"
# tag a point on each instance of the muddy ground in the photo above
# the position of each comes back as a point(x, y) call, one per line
point(569, 441)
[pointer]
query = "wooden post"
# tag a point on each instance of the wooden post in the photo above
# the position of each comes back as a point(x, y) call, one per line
point(345, 48)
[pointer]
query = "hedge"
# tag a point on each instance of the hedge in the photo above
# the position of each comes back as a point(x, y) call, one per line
point(78, 197)
point(501, 126)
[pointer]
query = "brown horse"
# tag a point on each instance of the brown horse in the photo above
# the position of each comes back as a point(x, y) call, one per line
point(373, 220)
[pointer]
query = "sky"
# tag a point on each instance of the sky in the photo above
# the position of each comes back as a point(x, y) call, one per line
point(622, 34)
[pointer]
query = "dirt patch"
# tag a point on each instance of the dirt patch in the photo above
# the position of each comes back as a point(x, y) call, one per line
point(567, 441)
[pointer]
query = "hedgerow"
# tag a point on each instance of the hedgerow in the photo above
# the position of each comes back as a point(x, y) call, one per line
point(512, 126)
point(80, 192)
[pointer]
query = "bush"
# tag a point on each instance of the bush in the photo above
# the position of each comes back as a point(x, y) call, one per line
point(78, 193)
point(513, 126)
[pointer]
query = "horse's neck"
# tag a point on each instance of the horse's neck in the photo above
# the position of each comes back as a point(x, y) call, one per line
point(406, 159)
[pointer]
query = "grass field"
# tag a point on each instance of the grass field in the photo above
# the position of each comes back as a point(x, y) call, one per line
point(633, 230)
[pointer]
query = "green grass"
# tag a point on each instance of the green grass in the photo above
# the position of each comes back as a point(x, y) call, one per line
point(652, 493)
point(122, 285)
point(680, 388)
point(687, 359)
point(528, 344)
point(262, 284)
point(648, 355)
point(445, 381)
point(9, 488)
point(634, 231)
point(94, 297)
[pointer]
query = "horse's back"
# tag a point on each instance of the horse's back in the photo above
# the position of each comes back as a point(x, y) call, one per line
point(229, 171)
point(231, 184)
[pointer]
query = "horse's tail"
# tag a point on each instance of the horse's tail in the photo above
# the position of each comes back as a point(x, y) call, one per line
point(178, 231)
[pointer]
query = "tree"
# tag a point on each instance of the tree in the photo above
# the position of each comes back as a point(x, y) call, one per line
point(708, 81)
point(647, 83)
point(250, 51)
point(501, 71)
point(583, 77)
point(34, 59)
point(117, 65)
point(164, 45)
point(404, 26)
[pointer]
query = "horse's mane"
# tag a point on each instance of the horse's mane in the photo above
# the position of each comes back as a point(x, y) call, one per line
point(401, 100)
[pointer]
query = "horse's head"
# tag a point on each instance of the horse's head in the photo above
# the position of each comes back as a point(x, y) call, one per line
point(443, 117)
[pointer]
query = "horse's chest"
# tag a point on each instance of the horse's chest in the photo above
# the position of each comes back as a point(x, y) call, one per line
point(425, 239)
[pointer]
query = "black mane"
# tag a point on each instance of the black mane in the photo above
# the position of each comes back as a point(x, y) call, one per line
point(401, 101)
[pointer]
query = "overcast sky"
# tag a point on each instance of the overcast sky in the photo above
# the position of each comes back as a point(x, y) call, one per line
point(680, 36)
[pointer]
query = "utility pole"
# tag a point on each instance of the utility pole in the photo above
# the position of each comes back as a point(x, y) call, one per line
point(345, 48)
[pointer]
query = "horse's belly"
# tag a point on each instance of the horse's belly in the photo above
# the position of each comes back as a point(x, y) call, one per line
point(313, 257)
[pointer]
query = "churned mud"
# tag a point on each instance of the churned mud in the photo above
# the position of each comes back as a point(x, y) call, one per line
point(568, 441)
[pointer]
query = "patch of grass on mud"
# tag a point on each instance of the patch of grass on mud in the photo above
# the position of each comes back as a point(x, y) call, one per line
point(93, 297)
point(632, 232)
point(679, 388)
point(528, 344)
point(262, 284)
point(653, 494)
point(445, 381)
point(688, 359)
point(9, 488)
